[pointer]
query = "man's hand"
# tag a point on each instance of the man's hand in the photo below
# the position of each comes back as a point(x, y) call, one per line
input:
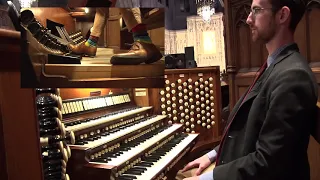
point(202, 163)
point(192, 178)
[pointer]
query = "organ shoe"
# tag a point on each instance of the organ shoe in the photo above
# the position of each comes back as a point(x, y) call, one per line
point(82, 49)
point(140, 52)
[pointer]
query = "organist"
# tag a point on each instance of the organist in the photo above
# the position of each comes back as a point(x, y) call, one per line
point(268, 130)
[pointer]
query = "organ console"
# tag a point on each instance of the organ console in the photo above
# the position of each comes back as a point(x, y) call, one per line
point(108, 136)
point(49, 59)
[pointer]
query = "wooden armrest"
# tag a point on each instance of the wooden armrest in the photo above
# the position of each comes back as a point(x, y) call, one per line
point(10, 49)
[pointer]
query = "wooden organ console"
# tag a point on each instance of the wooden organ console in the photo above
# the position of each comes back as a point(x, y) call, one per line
point(52, 64)
point(111, 137)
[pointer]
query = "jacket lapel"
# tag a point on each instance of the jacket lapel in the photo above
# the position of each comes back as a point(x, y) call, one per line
point(256, 88)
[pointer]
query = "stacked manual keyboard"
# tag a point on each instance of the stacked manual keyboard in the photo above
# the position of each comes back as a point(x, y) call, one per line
point(127, 142)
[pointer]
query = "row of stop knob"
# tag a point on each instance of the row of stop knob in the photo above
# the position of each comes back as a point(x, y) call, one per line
point(53, 136)
point(190, 102)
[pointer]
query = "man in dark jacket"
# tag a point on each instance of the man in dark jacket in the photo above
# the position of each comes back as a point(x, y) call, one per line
point(268, 130)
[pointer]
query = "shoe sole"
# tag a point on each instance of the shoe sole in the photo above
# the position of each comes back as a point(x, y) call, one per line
point(154, 59)
point(126, 61)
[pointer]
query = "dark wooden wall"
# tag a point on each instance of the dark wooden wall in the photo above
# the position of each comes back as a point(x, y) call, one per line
point(245, 57)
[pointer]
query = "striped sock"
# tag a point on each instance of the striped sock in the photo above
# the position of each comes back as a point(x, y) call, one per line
point(140, 34)
point(92, 41)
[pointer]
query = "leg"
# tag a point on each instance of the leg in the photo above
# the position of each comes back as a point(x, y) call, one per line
point(142, 50)
point(90, 46)
point(132, 17)
point(99, 21)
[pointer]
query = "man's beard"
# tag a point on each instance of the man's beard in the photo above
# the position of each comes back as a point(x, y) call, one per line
point(264, 35)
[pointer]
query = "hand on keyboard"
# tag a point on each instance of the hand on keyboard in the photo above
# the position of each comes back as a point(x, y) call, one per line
point(202, 163)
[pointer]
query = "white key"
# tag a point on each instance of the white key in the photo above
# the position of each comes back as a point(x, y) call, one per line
point(122, 132)
point(141, 147)
point(164, 161)
point(96, 122)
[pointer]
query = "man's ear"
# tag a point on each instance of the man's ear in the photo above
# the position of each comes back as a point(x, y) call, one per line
point(284, 14)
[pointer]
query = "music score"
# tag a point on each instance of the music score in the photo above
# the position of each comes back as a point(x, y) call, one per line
point(85, 104)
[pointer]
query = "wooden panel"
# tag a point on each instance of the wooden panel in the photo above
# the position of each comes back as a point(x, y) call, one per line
point(10, 49)
point(113, 27)
point(3, 159)
point(113, 33)
point(72, 93)
point(19, 138)
point(20, 133)
point(301, 38)
point(58, 15)
point(151, 99)
point(314, 158)
point(141, 96)
point(314, 28)
point(243, 45)
point(76, 72)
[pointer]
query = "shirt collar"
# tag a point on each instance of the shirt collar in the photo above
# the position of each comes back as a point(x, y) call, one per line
point(276, 53)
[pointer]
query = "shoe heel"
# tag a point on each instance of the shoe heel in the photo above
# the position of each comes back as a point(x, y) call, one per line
point(154, 59)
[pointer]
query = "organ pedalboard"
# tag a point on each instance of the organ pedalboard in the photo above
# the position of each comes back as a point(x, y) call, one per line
point(116, 139)
point(53, 136)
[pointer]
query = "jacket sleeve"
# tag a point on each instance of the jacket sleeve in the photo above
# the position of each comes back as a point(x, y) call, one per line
point(217, 148)
point(291, 97)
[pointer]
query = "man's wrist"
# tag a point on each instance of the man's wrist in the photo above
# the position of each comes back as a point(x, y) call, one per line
point(212, 155)
point(206, 176)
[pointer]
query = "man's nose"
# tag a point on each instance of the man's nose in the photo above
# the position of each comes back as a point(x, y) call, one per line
point(249, 19)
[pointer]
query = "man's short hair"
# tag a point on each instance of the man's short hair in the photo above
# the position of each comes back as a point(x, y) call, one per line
point(297, 9)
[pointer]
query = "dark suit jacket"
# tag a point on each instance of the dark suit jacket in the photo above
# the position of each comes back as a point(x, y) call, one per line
point(269, 135)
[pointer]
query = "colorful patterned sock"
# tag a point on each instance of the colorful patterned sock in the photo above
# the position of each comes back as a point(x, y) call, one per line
point(92, 41)
point(140, 34)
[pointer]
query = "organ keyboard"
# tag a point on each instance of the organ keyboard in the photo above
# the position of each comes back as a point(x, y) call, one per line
point(116, 139)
